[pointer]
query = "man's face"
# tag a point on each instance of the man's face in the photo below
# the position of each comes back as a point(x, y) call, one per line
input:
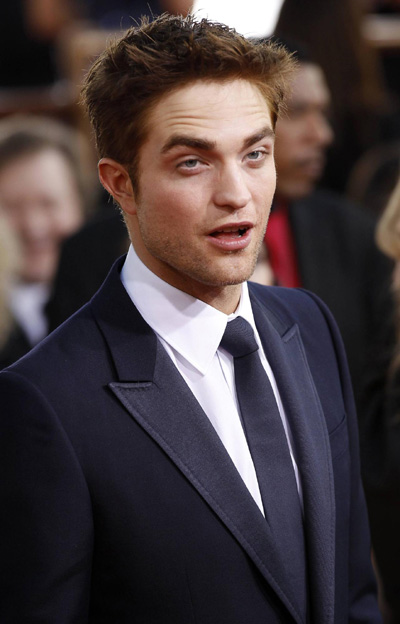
point(40, 200)
point(206, 182)
point(303, 134)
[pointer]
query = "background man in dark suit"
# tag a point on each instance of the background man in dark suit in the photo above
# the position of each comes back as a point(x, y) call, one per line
point(184, 448)
point(317, 239)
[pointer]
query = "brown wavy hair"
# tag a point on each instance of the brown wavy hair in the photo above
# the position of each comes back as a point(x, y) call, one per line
point(158, 57)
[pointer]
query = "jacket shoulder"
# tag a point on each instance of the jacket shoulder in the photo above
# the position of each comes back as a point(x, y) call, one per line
point(291, 305)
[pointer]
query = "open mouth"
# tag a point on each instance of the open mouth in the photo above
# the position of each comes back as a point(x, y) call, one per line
point(232, 236)
point(231, 232)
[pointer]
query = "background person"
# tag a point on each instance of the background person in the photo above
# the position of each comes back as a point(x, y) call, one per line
point(42, 198)
point(364, 106)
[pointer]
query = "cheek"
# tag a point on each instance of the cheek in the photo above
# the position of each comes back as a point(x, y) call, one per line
point(265, 188)
point(272, 176)
point(168, 205)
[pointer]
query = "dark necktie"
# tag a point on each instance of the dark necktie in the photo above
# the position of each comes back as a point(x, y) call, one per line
point(269, 450)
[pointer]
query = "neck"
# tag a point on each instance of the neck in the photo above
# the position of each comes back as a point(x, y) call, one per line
point(222, 297)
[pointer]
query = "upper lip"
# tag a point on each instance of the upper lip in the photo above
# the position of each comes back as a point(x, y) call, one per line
point(231, 227)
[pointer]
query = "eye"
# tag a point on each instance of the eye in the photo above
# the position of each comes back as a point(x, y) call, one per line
point(256, 155)
point(190, 163)
point(191, 166)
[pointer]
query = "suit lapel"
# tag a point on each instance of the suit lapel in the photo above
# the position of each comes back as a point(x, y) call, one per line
point(285, 351)
point(168, 411)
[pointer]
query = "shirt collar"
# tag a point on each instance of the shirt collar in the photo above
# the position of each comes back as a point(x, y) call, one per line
point(191, 327)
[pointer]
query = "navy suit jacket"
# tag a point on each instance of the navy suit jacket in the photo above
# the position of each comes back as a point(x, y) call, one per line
point(121, 505)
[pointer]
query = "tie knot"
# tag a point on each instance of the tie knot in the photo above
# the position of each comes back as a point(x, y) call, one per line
point(238, 338)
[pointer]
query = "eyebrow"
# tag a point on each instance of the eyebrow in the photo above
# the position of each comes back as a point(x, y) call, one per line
point(187, 141)
point(205, 145)
point(264, 133)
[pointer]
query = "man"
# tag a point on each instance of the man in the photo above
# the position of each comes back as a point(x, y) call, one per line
point(137, 485)
point(315, 239)
point(318, 240)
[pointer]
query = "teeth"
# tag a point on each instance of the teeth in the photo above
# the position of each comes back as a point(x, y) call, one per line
point(241, 231)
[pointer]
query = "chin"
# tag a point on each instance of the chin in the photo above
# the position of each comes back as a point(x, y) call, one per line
point(233, 276)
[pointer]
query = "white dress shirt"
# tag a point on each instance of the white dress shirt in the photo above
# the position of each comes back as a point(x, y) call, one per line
point(191, 331)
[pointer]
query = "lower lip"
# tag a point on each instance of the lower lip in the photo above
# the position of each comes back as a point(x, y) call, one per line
point(231, 242)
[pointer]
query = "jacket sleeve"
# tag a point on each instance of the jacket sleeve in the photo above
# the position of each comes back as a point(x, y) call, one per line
point(362, 590)
point(46, 519)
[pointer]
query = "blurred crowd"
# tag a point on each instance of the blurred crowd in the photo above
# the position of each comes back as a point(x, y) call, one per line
point(334, 227)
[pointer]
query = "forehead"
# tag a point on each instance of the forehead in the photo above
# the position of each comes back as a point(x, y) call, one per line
point(216, 110)
point(46, 157)
point(44, 171)
point(309, 86)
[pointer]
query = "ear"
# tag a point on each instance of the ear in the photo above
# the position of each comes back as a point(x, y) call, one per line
point(116, 180)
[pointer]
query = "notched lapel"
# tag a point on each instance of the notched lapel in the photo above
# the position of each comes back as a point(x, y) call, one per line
point(168, 411)
point(285, 351)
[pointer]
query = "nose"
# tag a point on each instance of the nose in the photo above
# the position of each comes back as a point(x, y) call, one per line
point(319, 129)
point(232, 190)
